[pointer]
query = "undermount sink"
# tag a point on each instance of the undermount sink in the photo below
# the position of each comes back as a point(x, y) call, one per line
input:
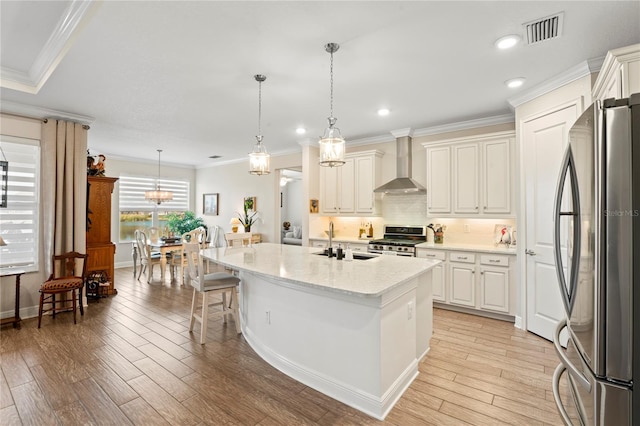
point(356, 256)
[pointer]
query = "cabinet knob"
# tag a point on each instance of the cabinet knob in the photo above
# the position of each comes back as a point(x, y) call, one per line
point(476, 207)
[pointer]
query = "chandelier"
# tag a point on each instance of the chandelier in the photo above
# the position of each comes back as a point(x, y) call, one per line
point(332, 142)
point(259, 158)
point(157, 195)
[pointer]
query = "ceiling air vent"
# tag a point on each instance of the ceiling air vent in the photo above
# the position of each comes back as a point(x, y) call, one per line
point(544, 28)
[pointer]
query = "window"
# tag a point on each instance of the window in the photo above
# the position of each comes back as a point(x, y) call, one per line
point(138, 213)
point(19, 220)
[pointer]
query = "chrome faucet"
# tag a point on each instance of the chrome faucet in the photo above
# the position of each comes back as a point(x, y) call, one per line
point(330, 237)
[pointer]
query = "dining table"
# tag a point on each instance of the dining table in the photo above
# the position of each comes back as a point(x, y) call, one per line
point(165, 247)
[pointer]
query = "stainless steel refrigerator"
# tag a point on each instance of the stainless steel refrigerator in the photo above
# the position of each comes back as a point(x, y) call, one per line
point(597, 247)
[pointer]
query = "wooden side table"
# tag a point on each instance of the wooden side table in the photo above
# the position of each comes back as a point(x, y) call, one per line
point(9, 272)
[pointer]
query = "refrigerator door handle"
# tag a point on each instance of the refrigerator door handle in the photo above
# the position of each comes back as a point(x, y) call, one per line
point(567, 292)
point(575, 373)
point(556, 394)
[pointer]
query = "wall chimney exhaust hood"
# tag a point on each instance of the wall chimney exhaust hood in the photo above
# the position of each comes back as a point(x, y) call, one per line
point(403, 183)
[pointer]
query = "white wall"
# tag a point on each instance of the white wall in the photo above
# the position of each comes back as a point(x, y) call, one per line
point(233, 182)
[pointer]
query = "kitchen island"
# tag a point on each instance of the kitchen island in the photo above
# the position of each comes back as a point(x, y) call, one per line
point(354, 331)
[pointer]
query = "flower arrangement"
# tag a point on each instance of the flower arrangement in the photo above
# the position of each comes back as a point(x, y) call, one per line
point(247, 219)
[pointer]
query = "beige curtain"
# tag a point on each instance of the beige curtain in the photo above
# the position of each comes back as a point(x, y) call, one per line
point(64, 188)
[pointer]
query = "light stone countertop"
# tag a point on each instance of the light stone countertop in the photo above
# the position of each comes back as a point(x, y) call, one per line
point(298, 265)
point(482, 248)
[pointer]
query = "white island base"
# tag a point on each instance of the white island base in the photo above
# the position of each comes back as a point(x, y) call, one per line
point(360, 349)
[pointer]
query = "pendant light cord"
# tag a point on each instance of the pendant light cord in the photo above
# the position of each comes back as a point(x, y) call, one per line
point(259, 109)
point(331, 96)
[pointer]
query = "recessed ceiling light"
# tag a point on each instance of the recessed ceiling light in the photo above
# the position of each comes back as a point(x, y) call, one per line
point(507, 42)
point(301, 130)
point(383, 111)
point(515, 82)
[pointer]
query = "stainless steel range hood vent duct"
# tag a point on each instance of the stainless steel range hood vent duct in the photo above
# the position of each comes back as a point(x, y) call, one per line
point(403, 183)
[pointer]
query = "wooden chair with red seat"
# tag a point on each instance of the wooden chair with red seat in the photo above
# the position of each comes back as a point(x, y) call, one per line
point(64, 279)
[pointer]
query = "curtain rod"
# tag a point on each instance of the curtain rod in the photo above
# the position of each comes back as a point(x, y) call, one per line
point(84, 126)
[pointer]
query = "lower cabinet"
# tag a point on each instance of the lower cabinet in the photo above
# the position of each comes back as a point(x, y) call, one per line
point(462, 286)
point(472, 280)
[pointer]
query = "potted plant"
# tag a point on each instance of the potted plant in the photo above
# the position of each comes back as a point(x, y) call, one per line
point(247, 219)
point(179, 223)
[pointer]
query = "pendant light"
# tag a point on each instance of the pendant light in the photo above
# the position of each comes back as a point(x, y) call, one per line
point(332, 142)
point(259, 158)
point(158, 196)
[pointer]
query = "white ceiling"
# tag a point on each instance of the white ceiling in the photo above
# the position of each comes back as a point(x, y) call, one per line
point(178, 75)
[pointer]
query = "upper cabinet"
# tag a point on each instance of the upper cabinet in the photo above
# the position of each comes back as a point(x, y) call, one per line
point(619, 76)
point(470, 176)
point(348, 189)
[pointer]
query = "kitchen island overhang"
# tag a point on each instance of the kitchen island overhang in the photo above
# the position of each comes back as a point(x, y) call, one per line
point(354, 331)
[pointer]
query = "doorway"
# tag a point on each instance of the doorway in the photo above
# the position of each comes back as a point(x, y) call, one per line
point(290, 204)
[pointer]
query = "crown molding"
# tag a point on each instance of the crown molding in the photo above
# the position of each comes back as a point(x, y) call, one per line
point(60, 41)
point(31, 111)
point(400, 133)
point(464, 125)
point(583, 69)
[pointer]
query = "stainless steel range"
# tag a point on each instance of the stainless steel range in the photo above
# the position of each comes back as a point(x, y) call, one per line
point(399, 240)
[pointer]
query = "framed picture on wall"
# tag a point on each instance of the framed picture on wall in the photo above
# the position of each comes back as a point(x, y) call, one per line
point(313, 205)
point(210, 204)
point(250, 203)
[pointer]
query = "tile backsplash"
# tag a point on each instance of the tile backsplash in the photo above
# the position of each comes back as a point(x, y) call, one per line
point(412, 210)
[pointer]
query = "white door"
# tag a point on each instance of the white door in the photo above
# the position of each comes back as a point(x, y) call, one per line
point(494, 289)
point(544, 140)
point(329, 189)
point(365, 184)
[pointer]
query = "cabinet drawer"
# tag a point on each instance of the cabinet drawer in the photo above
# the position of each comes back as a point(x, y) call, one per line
point(462, 257)
point(431, 254)
point(494, 260)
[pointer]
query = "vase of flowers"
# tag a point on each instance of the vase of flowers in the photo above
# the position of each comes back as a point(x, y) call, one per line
point(249, 217)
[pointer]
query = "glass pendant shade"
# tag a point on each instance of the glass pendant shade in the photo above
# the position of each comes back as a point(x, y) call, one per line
point(331, 146)
point(157, 195)
point(259, 159)
point(332, 143)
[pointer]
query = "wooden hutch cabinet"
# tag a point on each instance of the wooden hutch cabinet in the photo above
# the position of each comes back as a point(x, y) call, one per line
point(100, 248)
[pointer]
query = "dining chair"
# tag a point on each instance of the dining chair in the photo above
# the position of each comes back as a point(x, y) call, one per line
point(178, 257)
point(240, 239)
point(154, 234)
point(209, 284)
point(64, 279)
point(148, 259)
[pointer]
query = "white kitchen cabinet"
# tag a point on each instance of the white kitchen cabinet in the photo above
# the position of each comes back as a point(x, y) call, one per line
point(337, 188)
point(466, 178)
point(462, 286)
point(494, 289)
point(348, 189)
point(475, 282)
point(619, 76)
point(476, 172)
point(439, 180)
point(438, 273)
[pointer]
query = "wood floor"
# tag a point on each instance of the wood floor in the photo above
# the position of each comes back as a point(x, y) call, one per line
point(131, 360)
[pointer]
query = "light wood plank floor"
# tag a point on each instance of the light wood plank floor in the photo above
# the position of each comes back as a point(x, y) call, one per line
point(131, 360)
